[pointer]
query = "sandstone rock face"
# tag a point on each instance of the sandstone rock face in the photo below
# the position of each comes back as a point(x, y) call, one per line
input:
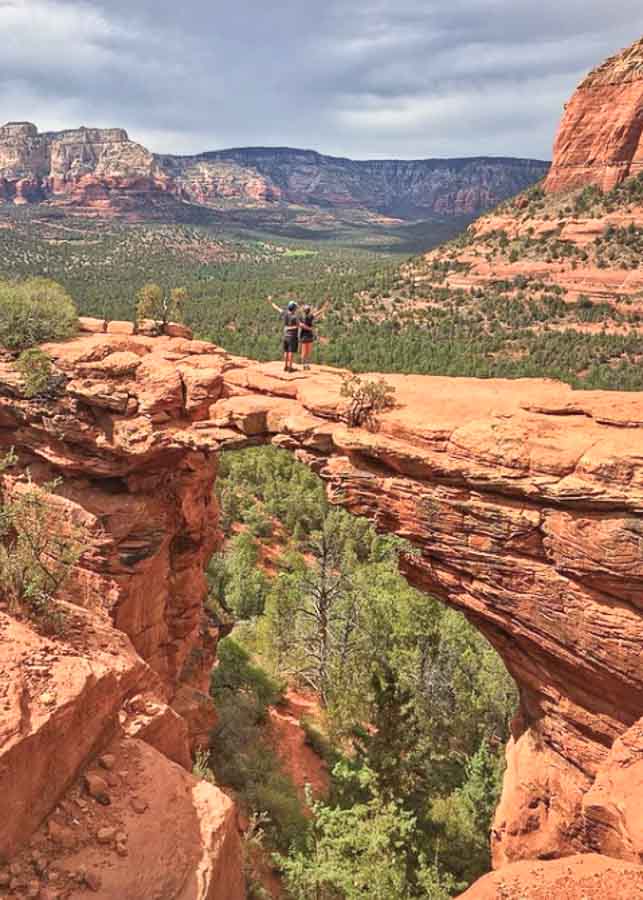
point(612, 806)
point(524, 499)
point(600, 140)
point(398, 187)
point(92, 168)
point(103, 171)
point(62, 702)
point(561, 240)
point(212, 182)
point(136, 640)
point(586, 877)
point(161, 834)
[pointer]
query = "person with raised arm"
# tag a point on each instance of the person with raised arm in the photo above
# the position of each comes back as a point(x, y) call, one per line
point(291, 331)
point(307, 330)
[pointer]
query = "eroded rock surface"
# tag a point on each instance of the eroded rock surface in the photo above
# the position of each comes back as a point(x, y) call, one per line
point(525, 499)
point(572, 878)
point(97, 169)
point(580, 244)
point(136, 653)
point(600, 140)
point(103, 171)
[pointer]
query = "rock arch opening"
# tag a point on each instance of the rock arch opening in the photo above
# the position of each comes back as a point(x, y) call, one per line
point(318, 601)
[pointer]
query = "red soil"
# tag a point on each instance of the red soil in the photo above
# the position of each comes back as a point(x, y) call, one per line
point(299, 759)
point(300, 762)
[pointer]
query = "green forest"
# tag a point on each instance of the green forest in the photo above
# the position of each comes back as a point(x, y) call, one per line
point(416, 705)
point(384, 314)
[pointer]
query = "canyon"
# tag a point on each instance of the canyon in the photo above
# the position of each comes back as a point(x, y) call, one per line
point(523, 498)
point(101, 171)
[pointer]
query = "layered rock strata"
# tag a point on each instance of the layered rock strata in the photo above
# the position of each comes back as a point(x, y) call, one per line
point(524, 499)
point(584, 244)
point(131, 669)
point(443, 187)
point(538, 249)
point(92, 168)
point(104, 171)
point(600, 140)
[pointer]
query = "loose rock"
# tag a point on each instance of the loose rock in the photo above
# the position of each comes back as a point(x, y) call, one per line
point(97, 788)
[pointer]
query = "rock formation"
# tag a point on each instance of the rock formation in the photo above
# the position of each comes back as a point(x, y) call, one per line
point(584, 244)
point(90, 168)
point(103, 171)
point(524, 499)
point(545, 244)
point(211, 182)
point(600, 140)
point(398, 187)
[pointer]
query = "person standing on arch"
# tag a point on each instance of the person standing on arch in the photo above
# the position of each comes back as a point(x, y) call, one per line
point(291, 332)
point(307, 330)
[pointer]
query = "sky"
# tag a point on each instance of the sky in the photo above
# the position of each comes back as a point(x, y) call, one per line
point(365, 79)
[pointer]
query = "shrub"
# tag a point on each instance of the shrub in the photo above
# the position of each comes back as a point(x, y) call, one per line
point(367, 399)
point(152, 302)
point(237, 673)
point(34, 311)
point(35, 368)
point(201, 768)
point(40, 544)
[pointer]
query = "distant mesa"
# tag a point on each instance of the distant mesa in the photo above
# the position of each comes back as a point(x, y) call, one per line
point(104, 171)
point(101, 170)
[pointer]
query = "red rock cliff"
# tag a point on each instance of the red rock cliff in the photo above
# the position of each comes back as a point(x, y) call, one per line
point(600, 140)
point(98, 724)
point(524, 499)
point(104, 171)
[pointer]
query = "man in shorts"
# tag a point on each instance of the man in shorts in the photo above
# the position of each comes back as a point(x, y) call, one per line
point(291, 332)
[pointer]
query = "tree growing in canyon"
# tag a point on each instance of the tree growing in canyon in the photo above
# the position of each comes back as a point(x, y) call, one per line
point(322, 617)
point(40, 543)
point(152, 302)
point(367, 849)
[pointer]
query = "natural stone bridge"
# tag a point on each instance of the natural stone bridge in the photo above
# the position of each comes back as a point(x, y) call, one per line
point(524, 498)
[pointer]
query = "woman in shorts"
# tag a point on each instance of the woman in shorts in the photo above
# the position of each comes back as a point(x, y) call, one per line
point(307, 331)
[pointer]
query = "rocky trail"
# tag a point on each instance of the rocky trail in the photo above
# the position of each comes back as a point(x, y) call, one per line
point(299, 759)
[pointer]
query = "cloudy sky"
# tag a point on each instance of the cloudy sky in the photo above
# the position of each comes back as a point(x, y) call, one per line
point(365, 78)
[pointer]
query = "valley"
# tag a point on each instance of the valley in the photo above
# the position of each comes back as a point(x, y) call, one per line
point(409, 576)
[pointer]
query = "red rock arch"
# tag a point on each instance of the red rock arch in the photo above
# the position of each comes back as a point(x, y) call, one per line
point(525, 499)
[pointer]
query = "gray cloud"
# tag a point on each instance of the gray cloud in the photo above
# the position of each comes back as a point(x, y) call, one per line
point(373, 78)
